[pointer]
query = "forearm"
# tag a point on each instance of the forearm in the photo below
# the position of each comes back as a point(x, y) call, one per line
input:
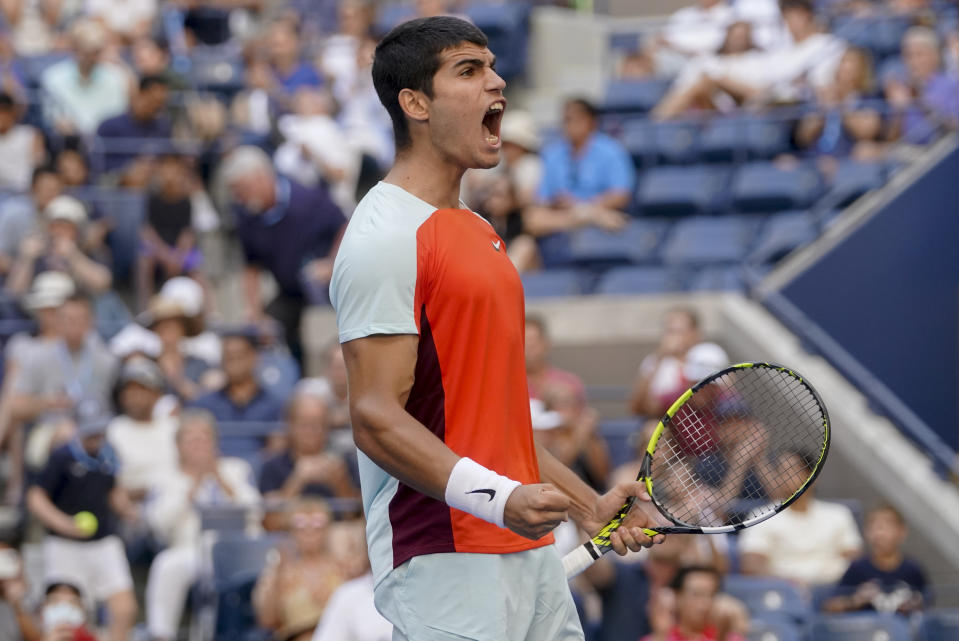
point(582, 497)
point(43, 508)
point(617, 199)
point(542, 221)
point(90, 274)
point(403, 447)
point(21, 274)
point(251, 291)
point(25, 407)
point(28, 627)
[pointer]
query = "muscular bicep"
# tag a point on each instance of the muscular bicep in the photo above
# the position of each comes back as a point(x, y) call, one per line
point(380, 368)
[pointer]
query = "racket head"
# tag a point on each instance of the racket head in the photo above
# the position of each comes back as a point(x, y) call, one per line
point(774, 409)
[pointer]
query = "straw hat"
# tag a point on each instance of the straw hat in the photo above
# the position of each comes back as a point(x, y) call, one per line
point(162, 308)
point(519, 128)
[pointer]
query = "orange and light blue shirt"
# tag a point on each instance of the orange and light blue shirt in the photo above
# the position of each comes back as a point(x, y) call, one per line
point(406, 267)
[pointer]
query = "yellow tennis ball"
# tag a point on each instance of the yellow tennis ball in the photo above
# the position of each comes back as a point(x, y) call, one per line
point(87, 522)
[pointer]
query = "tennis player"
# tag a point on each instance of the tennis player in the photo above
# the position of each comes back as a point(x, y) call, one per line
point(459, 500)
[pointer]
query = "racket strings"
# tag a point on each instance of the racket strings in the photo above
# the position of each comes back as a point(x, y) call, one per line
point(742, 445)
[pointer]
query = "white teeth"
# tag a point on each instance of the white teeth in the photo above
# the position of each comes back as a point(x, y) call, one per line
point(492, 139)
point(496, 107)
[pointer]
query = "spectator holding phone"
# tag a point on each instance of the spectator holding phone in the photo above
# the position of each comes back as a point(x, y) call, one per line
point(64, 617)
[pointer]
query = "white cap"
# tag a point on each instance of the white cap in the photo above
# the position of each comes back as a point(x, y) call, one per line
point(543, 419)
point(66, 208)
point(49, 289)
point(135, 339)
point(704, 359)
point(519, 128)
point(186, 292)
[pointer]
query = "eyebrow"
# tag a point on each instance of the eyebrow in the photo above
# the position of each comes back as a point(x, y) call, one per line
point(475, 62)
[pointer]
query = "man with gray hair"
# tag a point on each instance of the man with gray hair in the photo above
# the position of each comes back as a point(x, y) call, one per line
point(924, 98)
point(287, 229)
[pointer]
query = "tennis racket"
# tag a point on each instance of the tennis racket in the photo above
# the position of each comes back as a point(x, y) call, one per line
point(738, 447)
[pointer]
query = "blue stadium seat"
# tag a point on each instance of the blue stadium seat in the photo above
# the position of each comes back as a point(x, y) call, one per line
point(939, 625)
point(708, 240)
point(859, 627)
point(620, 436)
point(853, 179)
point(217, 68)
point(236, 562)
point(882, 34)
point(278, 372)
point(552, 283)
point(764, 187)
point(506, 26)
point(34, 66)
point(768, 597)
point(771, 630)
point(781, 234)
point(716, 279)
point(650, 143)
point(681, 191)
point(634, 96)
point(638, 280)
point(637, 243)
point(743, 138)
point(127, 211)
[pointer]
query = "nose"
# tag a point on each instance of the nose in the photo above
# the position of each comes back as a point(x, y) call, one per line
point(494, 81)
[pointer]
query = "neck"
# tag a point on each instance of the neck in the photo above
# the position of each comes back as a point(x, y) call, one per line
point(242, 390)
point(428, 176)
point(887, 560)
point(74, 346)
point(579, 145)
point(689, 631)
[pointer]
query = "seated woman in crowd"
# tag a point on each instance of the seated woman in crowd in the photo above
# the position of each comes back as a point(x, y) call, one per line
point(291, 594)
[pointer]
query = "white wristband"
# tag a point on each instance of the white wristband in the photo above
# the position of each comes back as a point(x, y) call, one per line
point(479, 491)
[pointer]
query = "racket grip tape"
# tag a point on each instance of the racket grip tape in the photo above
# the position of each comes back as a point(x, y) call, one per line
point(580, 559)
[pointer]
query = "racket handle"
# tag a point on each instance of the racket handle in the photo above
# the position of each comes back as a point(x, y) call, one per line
point(580, 559)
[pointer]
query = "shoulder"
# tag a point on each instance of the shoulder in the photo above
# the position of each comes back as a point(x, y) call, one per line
point(234, 469)
point(554, 150)
point(606, 144)
point(384, 222)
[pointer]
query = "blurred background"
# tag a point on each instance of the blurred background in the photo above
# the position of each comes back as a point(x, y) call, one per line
point(684, 185)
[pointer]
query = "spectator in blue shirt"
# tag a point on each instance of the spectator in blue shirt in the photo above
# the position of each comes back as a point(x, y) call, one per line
point(588, 179)
point(289, 71)
point(242, 399)
point(146, 119)
point(884, 579)
point(290, 230)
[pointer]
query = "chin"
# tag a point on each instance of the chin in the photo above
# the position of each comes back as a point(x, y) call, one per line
point(487, 161)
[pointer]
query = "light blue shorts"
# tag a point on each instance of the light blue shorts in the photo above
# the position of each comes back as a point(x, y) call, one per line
point(484, 597)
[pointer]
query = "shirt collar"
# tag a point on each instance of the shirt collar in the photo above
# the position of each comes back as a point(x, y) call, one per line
point(278, 211)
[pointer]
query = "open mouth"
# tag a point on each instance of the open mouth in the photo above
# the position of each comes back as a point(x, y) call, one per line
point(491, 122)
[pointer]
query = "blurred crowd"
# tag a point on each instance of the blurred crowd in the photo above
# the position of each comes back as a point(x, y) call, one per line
point(140, 410)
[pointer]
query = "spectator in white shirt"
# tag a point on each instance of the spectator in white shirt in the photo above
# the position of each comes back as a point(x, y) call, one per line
point(204, 479)
point(127, 19)
point(145, 444)
point(692, 31)
point(811, 543)
point(21, 147)
point(759, 77)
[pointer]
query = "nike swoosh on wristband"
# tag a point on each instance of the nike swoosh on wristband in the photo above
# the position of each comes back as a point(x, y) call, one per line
point(492, 493)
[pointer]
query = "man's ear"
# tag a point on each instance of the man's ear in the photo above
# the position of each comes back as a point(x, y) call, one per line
point(415, 105)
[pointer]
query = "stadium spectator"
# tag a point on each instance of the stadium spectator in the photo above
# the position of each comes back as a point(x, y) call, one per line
point(692, 31)
point(791, 547)
point(502, 194)
point(290, 71)
point(144, 442)
point(168, 240)
point(20, 216)
point(11, 75)
point(62, 372)
point(64, 614)
point(81, 92)
point(293, 590)
point(242, 398)
point(288, 229)
point(842, 123)
point(126, 19)
point(308, 467)
point(333, 390)
point(254, 109)
point(79, 478)
point(35, 26)
point(21, 147)
point(186, 375)
point(59, 247)
point(339, 56)
point(759, 77)
point(923, 97)
point(350, 612)
point(72, 167)
point(587, 179)
point(885, 580)
point(316, 150)
point(16, 619)
point(203, 479)
point(145, 120)
point(193, 300)
point(666, 373)
point(684, 613)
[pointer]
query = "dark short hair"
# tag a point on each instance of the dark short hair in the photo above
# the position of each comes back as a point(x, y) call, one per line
point(582, 103)
point(153, 80)
point(7, 103)
point(802, 5)
point(409, 56)
point(680, 579)
point(889, 509)
point(56, 585)
point(42, 171)
point(249, 333)
point(537, 321)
